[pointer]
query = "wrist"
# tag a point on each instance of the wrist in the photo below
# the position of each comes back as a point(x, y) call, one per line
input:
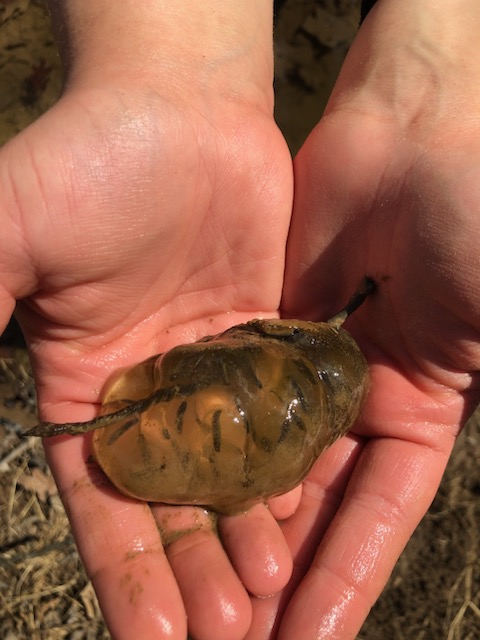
point(179, 49)
point(413, 60)
point(444, 23)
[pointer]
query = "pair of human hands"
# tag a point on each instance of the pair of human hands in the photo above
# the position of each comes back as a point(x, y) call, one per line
point(139, 214)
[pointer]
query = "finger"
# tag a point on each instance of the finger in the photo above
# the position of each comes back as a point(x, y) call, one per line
point(216, 602)
point(257, 549)
point(284, 506)
point(266, 617)
point(388, 494)
point(120, 546)
point(322, 493)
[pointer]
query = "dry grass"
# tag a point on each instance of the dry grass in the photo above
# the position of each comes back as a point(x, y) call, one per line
point(44, 592)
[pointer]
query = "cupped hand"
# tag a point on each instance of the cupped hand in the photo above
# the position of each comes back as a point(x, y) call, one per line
point(386, 185)
point(138, 215)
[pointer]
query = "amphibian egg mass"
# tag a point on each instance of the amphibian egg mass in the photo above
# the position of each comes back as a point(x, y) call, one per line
point(231, 419)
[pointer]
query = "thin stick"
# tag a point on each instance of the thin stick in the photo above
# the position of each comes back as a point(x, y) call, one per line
point(366, 287)
point(49, 429)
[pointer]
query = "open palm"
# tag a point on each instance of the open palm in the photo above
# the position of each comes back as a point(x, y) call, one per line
point(386, 185)
point(140, 224)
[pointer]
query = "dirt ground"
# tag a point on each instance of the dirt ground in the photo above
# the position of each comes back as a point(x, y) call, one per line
point(434, 592)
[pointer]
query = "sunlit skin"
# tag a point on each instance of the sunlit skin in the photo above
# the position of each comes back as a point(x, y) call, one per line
point(152, 206)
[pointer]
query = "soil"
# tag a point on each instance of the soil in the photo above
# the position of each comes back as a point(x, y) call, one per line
point(434, 591)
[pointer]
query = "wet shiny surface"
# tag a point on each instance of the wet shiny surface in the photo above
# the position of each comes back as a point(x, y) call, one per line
point(232, 419)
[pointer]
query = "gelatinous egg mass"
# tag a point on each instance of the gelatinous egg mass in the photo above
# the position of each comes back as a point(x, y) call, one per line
point(232, 419)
